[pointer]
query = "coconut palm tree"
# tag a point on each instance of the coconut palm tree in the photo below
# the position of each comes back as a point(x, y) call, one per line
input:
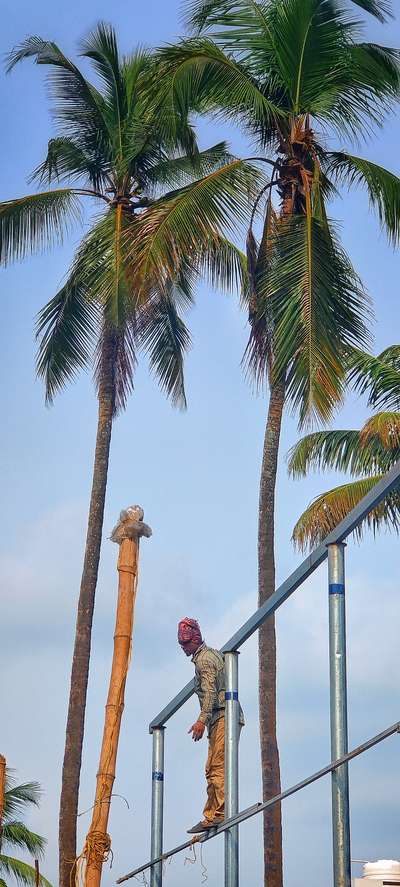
point(165, 210)
point(366, 455)
point(293, 74)
point(16, 835)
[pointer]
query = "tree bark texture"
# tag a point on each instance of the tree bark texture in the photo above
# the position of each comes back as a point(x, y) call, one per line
point(81, 655)
point(273, 862)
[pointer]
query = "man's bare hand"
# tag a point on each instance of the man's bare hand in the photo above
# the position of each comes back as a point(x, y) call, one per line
point(197, 730)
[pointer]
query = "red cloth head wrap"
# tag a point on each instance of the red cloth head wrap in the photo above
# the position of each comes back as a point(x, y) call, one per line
point(189, 630)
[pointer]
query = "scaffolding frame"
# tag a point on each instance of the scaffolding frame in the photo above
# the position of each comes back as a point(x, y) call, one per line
point(333, 550)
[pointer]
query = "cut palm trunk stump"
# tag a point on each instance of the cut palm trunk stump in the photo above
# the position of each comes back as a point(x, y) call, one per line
point(126, 534)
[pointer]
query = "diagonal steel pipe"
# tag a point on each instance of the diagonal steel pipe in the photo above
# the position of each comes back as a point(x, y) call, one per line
point(258, 808)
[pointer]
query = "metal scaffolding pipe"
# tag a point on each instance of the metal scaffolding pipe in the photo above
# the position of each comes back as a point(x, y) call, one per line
point(157, 806)
point(338, 711)
point(232, 729)
point(260, 807)
point(382, 489)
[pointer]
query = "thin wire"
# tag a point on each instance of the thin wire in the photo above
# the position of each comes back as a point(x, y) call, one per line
point(204, 872)
point(104, 801)
point(188, 859)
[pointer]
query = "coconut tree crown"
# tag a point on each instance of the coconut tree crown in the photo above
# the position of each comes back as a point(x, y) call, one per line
point(167, 208)
point(295, 73)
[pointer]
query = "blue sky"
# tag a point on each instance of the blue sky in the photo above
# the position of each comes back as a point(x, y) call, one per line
point(196, 475)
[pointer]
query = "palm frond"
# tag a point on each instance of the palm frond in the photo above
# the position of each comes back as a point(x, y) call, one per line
point(326, 512)
point(16, 834)
point(66, 160)
point(223, 265)
point(78, 106)
point(257, 358)
point(381, 9)
point(384, 427)
point(18, 797)
point(379, 376)
point(102, 49)
point(203, 15)
point(340, 451)
point(182, 225)
point(309, 40)
point(198, 76)
point(66, 328)
point(383, 187)
point(23, 873)
point(246, 15)
point(163, 335)
point(175, 172)
point(35, 222)
point(319, 306)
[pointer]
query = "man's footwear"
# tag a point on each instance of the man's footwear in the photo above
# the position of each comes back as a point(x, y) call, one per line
point(197, 829)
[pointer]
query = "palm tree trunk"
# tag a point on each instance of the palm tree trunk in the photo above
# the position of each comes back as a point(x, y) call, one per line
point(273, 863)
point(81, 656)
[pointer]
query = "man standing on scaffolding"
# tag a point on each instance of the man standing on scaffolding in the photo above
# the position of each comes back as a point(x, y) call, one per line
point(210, 688)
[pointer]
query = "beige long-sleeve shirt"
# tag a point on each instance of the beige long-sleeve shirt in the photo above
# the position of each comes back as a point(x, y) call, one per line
point(209, 684)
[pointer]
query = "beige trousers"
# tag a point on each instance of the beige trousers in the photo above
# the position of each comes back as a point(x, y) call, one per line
point(215, 765)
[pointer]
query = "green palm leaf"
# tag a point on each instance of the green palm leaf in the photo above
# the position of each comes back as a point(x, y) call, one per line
point(67, 328)
point(381, 9)
point(224, 266)
point(198, 75)
point(182, 225)
point(18, 797)
point(319, 307)
point(23, 873)
point(246, 14)
point(77, 105)
point(383, 187)
point(340, 451)
point(17, 834)
point(101, 47)
point(33, 223)
point(326, 512)
point(164, 337)
point(379, 376)
point(179, 171)
point(66, 160)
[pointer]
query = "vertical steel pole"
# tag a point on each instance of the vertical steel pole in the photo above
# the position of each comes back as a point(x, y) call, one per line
point(157, 805)
point(232, 730)
point(338, 705)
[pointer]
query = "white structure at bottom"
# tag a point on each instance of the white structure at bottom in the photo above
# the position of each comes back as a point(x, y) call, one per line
point(379, 874)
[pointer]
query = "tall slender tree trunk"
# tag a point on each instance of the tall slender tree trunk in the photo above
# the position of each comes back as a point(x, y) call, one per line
point(81, 656)
point(273, 862)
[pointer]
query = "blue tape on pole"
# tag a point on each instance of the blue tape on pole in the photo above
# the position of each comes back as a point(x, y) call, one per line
point(336, 588)
point(158, 776)
point(234, 695)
